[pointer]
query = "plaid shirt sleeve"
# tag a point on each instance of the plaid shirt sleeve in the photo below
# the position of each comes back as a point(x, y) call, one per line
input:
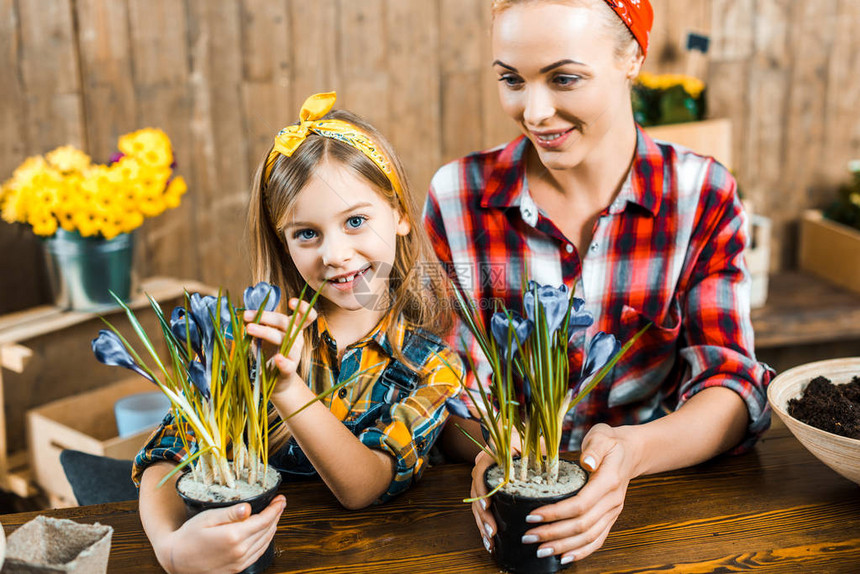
point(460, 337)
point(717, 322)
point(164, 444)
point(408, 428)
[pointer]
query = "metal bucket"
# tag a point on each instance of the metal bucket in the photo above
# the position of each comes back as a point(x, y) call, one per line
point(84, 270)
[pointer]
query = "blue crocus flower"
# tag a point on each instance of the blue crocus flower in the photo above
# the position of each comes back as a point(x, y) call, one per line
point(458, 407)
point(200, 314)
point(499, 325)
point(200, 377)
point(601, 349)
point(179, 320)
point(108, 349)
point(254, 296)
point(203, 311)
point(579, 319)
point(554, 301)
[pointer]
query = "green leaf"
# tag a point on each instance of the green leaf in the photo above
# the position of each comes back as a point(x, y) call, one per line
point(141, 333)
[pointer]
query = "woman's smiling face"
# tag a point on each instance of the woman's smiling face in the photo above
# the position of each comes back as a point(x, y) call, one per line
point(342, 231)
point(560, 78)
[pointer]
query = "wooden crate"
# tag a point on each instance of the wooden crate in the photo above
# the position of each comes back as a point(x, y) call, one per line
point(83, 422)
point(830, 250)
point(46, 356)
point(707, 137)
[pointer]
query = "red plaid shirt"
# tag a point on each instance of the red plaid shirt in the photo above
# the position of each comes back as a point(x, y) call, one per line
point(668, 250)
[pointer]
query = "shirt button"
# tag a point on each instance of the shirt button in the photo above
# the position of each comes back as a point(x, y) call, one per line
point(594, 246)
point(342, 392)
point(568, 248)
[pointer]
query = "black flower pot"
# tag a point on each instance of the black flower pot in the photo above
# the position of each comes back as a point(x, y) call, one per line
point(258, 503)
point(510, 511)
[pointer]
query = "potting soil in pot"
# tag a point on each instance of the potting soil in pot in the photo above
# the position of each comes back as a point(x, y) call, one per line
point(829, 407)
point(570, 478)
point(218, 493)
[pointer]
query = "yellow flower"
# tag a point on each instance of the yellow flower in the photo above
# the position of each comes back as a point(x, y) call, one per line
point(64, 188)
point(44, 198)
point(43, 221)
point(174, 192)
point(66, 219)
point(29, 168)
point(154, 182)
point(152, 207)
point(108, 228)
point(68, 159)
point(691, 85)
point(44, 226)
point(15, 208)
point(130, 221)
point(150, 146)
point(85, 223)
point(127, 168)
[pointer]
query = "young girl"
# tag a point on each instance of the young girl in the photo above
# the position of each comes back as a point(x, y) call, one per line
point(331, 210)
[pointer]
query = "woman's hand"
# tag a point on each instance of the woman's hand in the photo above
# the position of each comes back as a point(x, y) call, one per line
point(577, 526)
point(480, 508)
point(272, 328)
point(222, 540)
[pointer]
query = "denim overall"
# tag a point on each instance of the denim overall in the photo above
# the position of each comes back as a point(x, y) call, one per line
point(396, 383)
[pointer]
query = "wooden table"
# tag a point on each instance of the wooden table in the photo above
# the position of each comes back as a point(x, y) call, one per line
point(775, 509)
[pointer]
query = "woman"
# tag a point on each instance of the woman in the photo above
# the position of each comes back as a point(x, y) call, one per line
point(643, 231)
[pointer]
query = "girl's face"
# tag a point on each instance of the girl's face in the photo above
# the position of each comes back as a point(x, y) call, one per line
point(559, 78)
point(342, 230)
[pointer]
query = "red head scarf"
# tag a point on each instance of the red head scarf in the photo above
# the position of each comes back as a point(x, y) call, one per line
point(637, 15)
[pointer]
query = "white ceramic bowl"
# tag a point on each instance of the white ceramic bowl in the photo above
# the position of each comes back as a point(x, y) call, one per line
point(840, 453)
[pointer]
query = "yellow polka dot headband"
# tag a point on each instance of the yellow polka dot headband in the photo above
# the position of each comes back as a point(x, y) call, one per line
point(315, 107)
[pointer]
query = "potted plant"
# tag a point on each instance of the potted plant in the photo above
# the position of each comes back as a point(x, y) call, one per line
point(86, 212)
point(529, 394)
point(219, 384)
point(667, 99)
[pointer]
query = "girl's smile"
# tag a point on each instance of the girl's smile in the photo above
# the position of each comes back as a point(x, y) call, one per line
point(347, 281)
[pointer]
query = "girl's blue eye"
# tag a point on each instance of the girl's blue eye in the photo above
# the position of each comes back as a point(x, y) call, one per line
point(355, 221)
point(304, 234)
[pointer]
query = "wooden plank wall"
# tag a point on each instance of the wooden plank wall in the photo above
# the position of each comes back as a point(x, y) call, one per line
point(222, 76)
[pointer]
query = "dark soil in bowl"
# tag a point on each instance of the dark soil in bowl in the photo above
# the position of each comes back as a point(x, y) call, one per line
point(829, 407)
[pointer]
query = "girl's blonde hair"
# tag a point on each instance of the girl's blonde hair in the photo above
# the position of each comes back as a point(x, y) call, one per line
point(419, 293)
point(625, 44)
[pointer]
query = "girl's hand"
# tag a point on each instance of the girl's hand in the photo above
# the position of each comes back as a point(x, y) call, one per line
point(222, 540)
point(272, 328)
point(579, 525)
